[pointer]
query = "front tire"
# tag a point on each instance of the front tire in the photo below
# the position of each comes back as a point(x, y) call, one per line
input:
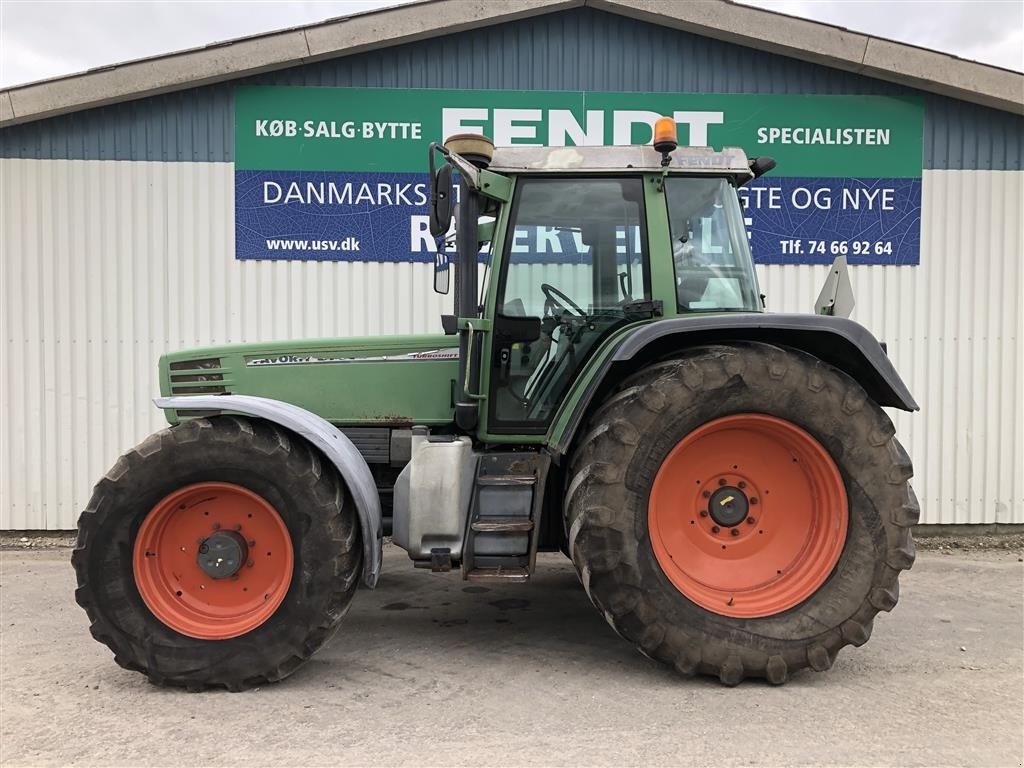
point(706, 594)
point(230, 493)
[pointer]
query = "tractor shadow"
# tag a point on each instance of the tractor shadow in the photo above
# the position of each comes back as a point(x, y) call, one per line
point(416, 622)
point(415, 613)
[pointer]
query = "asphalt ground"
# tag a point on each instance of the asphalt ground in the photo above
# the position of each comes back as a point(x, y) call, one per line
point(428, 670)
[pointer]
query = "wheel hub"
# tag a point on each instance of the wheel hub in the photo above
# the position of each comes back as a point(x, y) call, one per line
point(213, 560)
point(728, 506)
point(748, 515)
point(222, 554)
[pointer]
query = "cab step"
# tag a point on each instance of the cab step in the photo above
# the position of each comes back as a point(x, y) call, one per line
point(508, 575)
point(502, 525)
point(501, 540)
point(506, 480)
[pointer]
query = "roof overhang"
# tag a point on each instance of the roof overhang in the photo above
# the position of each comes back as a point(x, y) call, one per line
point(719, 19)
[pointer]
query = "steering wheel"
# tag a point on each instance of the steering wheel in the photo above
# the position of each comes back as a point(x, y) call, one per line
point(559, 300)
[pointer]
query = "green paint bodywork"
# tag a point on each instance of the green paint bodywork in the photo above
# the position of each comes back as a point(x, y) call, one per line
point(355, 387)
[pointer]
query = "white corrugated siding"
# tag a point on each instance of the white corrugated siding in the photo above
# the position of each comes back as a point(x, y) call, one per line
point(953, 327)
point(107, 264)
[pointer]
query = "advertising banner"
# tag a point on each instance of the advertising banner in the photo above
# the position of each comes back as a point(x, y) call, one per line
point(339, 174)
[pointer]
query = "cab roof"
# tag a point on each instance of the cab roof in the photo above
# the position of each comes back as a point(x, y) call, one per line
point(728, 161)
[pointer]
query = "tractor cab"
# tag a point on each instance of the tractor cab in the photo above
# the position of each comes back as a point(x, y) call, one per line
point(579, 243)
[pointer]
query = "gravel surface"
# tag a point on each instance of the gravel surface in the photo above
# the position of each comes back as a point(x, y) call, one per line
point(1013, 542)
point(32, 540)
point(429, 670)
point(966, 542)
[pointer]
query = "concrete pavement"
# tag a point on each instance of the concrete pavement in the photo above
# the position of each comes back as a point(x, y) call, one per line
point(428, 670)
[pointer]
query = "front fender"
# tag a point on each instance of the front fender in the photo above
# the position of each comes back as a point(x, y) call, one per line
point(840, 342)
point(324, 436)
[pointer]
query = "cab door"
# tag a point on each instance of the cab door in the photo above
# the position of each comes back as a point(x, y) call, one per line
point(573, 267)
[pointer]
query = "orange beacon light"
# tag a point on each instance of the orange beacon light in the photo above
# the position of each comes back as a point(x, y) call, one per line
point(665, 139)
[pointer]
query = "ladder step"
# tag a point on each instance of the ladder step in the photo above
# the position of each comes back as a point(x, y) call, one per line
point(505, 574)
point(525, 480)
point(502, 525)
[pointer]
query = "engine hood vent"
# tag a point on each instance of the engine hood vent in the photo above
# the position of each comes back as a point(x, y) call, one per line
point(199, 377)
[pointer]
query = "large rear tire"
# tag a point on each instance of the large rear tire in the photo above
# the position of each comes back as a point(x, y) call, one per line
point(741, 511)
point(221, 552)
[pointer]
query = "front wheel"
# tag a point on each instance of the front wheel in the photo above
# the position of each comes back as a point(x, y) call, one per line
point(741, 510)
point(219, 552)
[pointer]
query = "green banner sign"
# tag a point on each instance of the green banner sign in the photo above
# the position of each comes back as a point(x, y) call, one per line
point(846, 164)
point(373, 129)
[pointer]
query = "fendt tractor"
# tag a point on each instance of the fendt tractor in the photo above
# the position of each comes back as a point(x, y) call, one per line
point(724, 479)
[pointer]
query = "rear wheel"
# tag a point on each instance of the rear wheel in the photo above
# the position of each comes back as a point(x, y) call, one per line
point(741, 511)
point(219, 552)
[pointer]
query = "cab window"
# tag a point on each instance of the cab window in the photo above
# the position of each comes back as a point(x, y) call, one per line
point(575, 257)
point(710, 249)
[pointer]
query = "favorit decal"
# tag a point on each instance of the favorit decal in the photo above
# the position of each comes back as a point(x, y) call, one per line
point(451, 353)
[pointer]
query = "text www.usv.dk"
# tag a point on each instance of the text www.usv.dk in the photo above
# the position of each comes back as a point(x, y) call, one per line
point(348, 244)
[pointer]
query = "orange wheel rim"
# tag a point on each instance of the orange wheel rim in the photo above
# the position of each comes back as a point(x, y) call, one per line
point(213, 560)
point(748, 515)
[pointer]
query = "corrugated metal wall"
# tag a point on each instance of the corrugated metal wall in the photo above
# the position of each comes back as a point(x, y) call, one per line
point(117, 245)
point(109, 264)
point(580, 49)
point(119, 261)
point(954, 330)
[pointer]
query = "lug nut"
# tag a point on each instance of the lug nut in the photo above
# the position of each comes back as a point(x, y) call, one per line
point(742, 484)
point(238, 526)
point(751, 521)
point(703, 513)
point(706, 494)
point(714, 529)
point(735, 531)
point(753, 500)
point(216, 526)
point(721, 481)
point(250, 564)
point(252, 542)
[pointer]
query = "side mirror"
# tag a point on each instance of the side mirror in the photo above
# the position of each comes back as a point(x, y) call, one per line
point(440, 198)
point(442, 279)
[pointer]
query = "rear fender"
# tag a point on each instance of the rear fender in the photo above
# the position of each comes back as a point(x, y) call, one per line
point(840, 342)
point(327, 439)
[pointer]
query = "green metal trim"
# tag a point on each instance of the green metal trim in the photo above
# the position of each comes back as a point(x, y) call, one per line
point(495, 186)
point(490, 302)
point(485, 231)
point(659, 243)
point(560, 422)
point(534, 439)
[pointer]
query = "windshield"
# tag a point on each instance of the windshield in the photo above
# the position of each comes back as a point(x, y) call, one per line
point(710, 249)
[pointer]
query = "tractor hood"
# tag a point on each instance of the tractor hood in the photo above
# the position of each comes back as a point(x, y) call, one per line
point(373, 381)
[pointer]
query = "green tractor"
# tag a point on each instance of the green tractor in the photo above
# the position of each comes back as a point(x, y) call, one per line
point(723, 479)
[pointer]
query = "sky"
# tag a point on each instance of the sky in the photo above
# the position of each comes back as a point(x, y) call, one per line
point(47, 38)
